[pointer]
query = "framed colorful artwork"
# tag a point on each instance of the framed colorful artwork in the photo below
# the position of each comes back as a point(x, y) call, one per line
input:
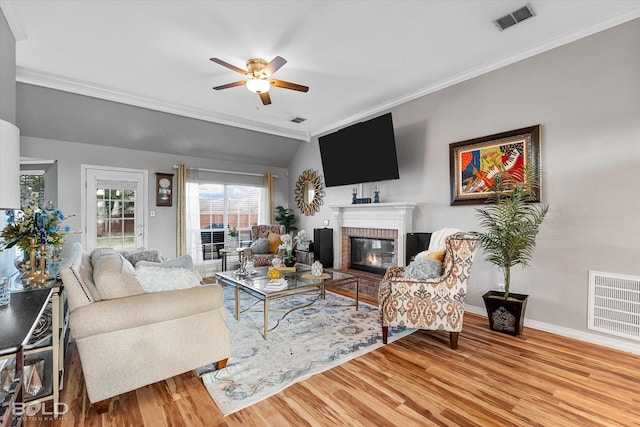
point(476, 163)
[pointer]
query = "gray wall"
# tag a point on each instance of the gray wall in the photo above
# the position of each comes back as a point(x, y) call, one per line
point(586, 97)
point(7, 112)
point(7, 72)
point(162, 228)
point(55, 114)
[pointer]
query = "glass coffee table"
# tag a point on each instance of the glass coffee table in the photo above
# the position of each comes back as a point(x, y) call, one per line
point(298, 282)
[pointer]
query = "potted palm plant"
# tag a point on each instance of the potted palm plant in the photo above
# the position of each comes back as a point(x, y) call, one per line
point(510, 225)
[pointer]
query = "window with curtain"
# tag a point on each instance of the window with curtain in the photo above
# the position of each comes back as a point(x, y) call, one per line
point(216, 203)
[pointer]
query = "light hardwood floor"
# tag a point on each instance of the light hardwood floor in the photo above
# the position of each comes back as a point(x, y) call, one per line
point(538, 379)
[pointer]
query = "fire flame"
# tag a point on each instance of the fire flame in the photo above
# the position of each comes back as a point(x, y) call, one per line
point(372, 259)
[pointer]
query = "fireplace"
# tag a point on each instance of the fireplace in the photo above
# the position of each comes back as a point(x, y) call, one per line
point(372, 254)
point(385, 222)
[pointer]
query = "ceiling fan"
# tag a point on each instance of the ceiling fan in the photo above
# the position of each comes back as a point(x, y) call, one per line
point(260, 80)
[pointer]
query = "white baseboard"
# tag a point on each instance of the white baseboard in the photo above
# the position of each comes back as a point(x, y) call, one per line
point(570, 333)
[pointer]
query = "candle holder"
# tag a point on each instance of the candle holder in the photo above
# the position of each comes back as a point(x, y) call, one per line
point(376, 196)
point(32, 274)
point(356, 201)
point(42, 278)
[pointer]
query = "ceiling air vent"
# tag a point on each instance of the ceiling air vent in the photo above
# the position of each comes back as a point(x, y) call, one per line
point(514, 17)
point(298, 120)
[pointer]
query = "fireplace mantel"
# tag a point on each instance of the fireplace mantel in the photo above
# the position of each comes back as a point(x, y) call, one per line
point(392, 216)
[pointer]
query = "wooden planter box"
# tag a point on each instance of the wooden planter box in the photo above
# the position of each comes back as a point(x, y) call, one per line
point(506, 316)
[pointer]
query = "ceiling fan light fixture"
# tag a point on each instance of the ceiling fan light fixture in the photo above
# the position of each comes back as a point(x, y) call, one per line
point(259, 73)
point(258, 85)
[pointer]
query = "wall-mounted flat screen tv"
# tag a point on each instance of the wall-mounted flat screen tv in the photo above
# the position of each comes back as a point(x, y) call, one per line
point(363, 152)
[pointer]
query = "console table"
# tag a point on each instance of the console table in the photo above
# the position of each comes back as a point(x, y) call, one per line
point(53, 350)
point(18, 321)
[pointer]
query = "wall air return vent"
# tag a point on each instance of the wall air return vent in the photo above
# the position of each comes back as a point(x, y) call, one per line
point(614, 304)
point(514, 17)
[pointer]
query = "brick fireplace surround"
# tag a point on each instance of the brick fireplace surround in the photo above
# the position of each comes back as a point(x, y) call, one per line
point(375, 220)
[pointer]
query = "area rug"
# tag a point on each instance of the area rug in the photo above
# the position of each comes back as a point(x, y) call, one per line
point(321, 334)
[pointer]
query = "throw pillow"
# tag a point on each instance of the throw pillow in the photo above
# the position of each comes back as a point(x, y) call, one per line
point(114, 276)
point(160, 279)
point(260, 246)
point(142, 254)
point(436, 256)
point(423, 268)
point(428, 254)
point(274, 242)
point(184, 261)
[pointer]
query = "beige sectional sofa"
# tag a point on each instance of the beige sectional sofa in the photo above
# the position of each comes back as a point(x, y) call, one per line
point(127, 338)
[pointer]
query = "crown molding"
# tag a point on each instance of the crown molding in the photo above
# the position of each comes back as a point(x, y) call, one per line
point(80, 87)
point(492, 66)
point(53, 81)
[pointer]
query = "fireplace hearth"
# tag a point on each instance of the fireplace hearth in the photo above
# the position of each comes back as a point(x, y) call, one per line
point(373, 255)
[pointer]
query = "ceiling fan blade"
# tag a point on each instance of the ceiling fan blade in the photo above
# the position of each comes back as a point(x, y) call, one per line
point(229, 66)
point(266, 99)
point(228, 85)
point(288, 85)
point(273, 66)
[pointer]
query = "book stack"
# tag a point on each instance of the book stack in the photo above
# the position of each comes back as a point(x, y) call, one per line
point(276, 285)
point(284, 269)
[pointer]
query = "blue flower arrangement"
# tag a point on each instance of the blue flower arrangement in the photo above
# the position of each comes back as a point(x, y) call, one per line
point(33, 221)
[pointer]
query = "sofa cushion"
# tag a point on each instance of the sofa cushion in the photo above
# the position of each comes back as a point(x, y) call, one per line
point(184, 261)
point(145, 309)
point(423, 268)
point(260, 246)
point(160, 279)
point(142, 254)
point(98, 252)
point(274, 242)
point(113, 275)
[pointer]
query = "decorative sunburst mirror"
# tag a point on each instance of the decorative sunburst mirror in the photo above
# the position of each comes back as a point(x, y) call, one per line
point(309, 192)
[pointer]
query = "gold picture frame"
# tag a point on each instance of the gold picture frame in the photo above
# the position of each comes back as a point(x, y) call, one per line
point(475, 163)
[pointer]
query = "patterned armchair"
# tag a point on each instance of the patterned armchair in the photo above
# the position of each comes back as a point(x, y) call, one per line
point(258, 231)
point(434, 304)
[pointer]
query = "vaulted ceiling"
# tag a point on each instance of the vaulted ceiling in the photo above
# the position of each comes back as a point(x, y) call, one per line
point(359, 58)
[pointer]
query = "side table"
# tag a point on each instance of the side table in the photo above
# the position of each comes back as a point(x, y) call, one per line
point(239, 252)
point(304, 256)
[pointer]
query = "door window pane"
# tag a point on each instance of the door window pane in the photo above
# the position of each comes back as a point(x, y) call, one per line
point(115, 218)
